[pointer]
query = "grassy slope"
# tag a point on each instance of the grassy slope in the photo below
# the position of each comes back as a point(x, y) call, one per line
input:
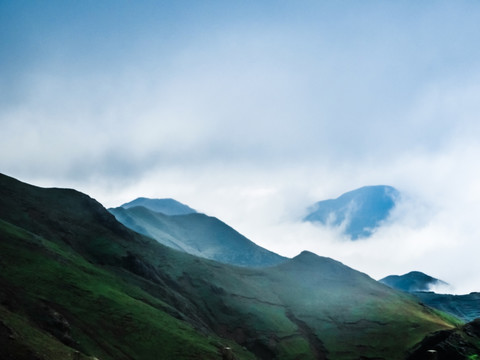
point(127, 296)
point(110, 318)
point(345, 312)
point(366, 314)
point(461, 343)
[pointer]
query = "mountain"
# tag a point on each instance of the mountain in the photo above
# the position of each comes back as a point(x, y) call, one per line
point(413, 281)
point(164, 206)
point(77, 284)
point(197, 234)
point(360, 211)
point(465, 307)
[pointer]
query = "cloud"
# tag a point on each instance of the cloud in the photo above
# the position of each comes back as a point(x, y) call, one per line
point(252, 115)
point(433, 229)
point(274, 92)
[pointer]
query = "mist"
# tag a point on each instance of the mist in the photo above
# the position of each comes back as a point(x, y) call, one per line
point(253, 112)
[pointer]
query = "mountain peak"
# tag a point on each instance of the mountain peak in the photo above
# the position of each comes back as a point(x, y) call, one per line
point(165, 206)
point(412, 281)
point(81, 261)
point(359, 211)
point(305, 254)
point(197, 234)
point(314, 262)
point(310, 259)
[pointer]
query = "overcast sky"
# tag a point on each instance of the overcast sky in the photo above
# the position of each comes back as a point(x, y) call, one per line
point(251, 111)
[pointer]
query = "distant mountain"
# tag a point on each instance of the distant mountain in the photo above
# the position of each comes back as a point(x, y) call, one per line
point(197, 234)
point(359, 211)
point(413, 281)
point(465, 307)
point(164, 206)
point(77, 284)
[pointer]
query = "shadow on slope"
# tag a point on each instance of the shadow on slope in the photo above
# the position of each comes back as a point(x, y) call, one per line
point(197, 234)
point(462, 343)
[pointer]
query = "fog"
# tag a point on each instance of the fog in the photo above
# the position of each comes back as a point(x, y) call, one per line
point(253, 112)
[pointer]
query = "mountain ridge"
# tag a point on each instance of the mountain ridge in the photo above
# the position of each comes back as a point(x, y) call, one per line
point(167, 206)
point(197, 234)
point(465, 307)
point(149, 301)
point(412, 281)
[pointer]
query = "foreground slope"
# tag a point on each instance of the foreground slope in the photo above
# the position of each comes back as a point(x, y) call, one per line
point(197, 234)
point(462, 343)
point(65, 292)
point(77, 283)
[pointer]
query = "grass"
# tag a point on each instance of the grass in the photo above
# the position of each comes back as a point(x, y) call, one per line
point(28, 341)
point(134, 322)
point(110, 318)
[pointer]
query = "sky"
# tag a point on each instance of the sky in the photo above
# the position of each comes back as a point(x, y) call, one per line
point(251, 111)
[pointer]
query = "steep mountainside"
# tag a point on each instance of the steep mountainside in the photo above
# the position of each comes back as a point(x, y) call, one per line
point(197, 234)
point(359, 211)
point(164, 206)
point(413, 281)
point(76, 283)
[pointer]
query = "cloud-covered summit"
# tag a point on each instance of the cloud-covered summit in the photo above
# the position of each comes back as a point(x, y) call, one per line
point(358, 212)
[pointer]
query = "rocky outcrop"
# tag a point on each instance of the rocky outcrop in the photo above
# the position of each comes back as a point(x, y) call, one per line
point(55, 323)
point(457, 344)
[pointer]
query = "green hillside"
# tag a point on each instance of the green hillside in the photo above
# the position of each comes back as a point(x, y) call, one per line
point(461, 343)
point(75, 284)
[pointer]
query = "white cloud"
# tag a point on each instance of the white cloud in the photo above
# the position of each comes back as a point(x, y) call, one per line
point(253, 118)
point(434, 229)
